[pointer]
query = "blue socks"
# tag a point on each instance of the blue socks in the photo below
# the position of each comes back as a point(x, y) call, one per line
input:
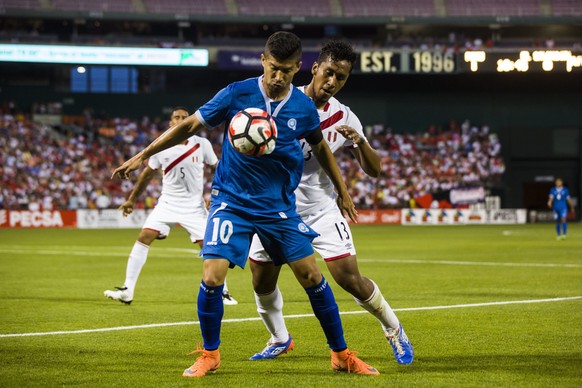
point(210, 312)
point(564, 227)
point(326, 310)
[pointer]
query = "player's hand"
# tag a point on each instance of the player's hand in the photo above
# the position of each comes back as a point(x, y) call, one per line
point(126, 208)
point(130, 165)
point(349, 133)
point(347, 207)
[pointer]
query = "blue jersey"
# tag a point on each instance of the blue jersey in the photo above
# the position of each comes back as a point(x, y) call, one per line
point(261, 185)
point(560, 197)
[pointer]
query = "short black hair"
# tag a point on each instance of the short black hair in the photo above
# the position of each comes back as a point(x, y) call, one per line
point(337, 50)
point(180, 108)
point(283, 45)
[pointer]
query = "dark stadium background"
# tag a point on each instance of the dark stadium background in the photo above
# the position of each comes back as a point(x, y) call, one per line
point(536, 114)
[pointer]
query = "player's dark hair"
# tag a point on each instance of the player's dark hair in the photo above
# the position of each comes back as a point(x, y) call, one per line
point(283, 45)
point(179, 107)
point(337, 50)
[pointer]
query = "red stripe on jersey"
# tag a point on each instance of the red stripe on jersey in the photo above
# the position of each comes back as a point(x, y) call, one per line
point(181, 157)
point(326, 107)
point(331, 120)
point(337, 257)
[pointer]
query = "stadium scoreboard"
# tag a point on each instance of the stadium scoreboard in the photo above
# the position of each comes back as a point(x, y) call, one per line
point(405, 61)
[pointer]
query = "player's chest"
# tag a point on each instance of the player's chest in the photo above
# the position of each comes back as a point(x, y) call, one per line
point(183, 155)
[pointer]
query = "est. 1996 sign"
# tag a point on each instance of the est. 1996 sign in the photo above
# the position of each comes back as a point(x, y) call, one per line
point(407, 61)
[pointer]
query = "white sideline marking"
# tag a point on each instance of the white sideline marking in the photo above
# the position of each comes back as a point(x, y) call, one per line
point(236, 320)
point(195, 252)
point(153, 253)
point(486, 263)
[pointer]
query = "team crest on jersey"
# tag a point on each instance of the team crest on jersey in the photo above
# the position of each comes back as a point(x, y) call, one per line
point(303, 228)
point(292, 123)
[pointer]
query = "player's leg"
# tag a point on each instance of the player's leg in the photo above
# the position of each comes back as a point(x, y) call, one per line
point(558, 224)
point(335, 245)
point(289, 240)
point(269, 302)
point(135, 262)
point(228, 235)
point(327, 312)
point(193, 219)
point(210, 312)
point(564, 219)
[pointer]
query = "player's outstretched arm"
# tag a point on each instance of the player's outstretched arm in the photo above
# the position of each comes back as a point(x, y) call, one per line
point(366, 156)
point(142, 182)
point(175, 135)
point(328, 163)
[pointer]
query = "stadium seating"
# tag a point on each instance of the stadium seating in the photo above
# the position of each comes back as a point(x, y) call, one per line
point(198, 7)
point(101, 5)
point(493, 8)
point(353, 8)
point(22, 4)
point(567, 7)
point(292, 8)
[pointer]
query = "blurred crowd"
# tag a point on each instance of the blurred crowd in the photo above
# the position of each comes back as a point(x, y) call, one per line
point(431, 162)
point(42, 168)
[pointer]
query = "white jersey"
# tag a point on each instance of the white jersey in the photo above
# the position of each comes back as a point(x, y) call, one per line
point(183, 170)
point(316, 191)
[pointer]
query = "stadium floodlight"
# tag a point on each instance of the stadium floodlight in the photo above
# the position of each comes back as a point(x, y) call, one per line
point(102, 55)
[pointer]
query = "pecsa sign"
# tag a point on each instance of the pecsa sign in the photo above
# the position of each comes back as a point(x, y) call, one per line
point(37, 219)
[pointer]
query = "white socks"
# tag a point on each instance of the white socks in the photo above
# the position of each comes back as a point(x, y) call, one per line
point(378, 307)
point(136, 261)
point(270, 308)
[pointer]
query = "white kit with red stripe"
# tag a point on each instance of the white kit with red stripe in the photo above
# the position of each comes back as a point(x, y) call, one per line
point(316, 190)
point(183, 169)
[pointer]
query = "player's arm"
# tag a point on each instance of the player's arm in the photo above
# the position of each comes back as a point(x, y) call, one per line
point(326, 160)
point(571, 204)
point(175, 135)
point(366, 156)
point(142, 182)
point(550, 201)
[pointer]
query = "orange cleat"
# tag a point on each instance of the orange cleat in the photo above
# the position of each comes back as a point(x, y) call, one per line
point(346, 361)
point(209, 361)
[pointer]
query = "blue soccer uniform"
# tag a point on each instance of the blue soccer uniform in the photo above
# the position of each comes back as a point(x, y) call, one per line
point(256, 194)
point(560, 196)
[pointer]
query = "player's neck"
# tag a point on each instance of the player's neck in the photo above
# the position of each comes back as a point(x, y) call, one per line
point(309, 91)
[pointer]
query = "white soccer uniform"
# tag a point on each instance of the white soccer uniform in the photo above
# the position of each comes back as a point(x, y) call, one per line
point(316, 196)
point(182, 201)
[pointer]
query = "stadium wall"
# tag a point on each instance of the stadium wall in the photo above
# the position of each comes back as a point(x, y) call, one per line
point(113, 219)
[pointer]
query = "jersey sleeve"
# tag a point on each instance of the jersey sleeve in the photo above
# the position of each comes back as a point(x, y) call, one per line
point(209, 156)
point(214, 112)
point(353, 121)
point(154, 162)
point(312, 122)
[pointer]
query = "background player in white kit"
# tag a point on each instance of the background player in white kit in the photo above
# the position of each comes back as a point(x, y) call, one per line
point(181, 202)
point(316, 204)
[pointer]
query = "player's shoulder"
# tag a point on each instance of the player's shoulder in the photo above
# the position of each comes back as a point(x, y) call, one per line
point(298, 94)
point(198, 139)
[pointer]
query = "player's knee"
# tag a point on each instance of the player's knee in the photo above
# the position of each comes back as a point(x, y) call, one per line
point(309, 278)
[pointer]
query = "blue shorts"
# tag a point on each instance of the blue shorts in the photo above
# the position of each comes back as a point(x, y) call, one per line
point(229, 234)
point(560, 213)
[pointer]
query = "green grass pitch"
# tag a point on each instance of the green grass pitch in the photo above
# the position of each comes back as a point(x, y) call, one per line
point(484, 306)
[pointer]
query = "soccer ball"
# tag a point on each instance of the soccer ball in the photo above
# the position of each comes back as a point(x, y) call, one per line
point(252, 132)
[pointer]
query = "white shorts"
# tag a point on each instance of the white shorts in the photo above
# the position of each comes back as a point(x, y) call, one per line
point(166, 215)
point(334, 240)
